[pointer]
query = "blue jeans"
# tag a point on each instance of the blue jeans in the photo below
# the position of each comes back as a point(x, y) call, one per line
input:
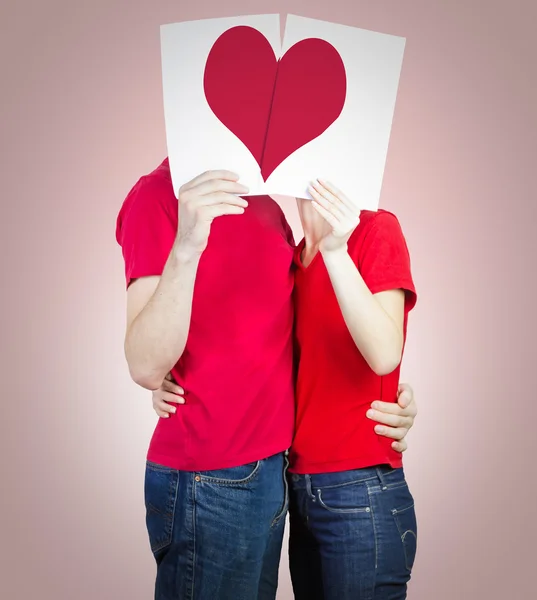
point(352, 535)
point(217, 534)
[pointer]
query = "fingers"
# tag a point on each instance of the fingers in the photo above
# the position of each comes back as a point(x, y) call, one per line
point(161, 413)
point(331, 188)
point(163, 409)
point(390, 419)
point(393, 433)
point(332, 200)
point(332, 205)
point(327, 215)
point(163, 403)
point(218, 210)
point(171, 387)
point(219, 185)
point(211, 188)
point(336, 198)
point(334, 192)
point(405, 387)
point(207, 176)
point(170, 397)
point(405, 399)
point(337, 212)
point(167, 396)
point(221, 198)
point(401, 446)
point(393, 408)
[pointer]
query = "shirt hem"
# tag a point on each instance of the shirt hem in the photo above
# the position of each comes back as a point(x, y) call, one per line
point(305, 468)
point(180, 464)
point(407, 285)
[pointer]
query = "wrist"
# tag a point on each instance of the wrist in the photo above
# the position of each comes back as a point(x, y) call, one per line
point(185, 253)
point(334, 254)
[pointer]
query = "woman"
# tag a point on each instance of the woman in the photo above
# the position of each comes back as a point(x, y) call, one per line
point(353, 526)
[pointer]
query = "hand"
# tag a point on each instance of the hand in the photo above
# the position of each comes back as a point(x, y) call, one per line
point(210, 195)
point(168, 394)
point(396, 418)
point(339, 212)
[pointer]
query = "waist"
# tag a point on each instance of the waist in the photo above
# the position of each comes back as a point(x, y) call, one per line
point(333, 438)
point(385, 474)
point(225, 428)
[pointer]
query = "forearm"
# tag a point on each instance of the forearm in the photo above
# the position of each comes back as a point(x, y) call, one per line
point(157, 337)
point(376, 335)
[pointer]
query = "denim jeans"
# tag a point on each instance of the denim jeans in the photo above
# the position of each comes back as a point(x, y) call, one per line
point(352, 535)
point(217, 535)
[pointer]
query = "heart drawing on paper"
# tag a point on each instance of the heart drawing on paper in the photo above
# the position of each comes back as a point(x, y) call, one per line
point(274, 106)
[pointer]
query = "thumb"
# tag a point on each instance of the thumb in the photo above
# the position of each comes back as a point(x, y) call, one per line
point(403, 398)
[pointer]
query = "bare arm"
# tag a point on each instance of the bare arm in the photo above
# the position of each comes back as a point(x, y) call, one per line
point(159, 308)
point(375, 321)
point(158, 319)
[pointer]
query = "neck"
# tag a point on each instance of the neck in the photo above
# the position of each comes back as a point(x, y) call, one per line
point(311, 241)
point(312, 226)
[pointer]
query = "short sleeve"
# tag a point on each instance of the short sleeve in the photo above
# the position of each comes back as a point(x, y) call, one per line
point(383, 258)
point(289, 236)
point(146, 227)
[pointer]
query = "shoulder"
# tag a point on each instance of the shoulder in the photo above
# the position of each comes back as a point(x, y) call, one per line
point(153, 189)
point(150, 199)
point(378, 231)
point(379, 220)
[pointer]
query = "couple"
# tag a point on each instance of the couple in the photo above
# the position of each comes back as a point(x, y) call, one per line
point(265, 360)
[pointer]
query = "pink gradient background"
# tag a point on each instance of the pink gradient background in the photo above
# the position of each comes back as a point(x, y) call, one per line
point(81, 119)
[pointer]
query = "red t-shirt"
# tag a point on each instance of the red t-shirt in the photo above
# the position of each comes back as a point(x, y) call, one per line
point(335, 385)
point(237, 367)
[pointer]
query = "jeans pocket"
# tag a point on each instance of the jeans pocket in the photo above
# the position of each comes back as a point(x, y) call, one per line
point(234, 476)
point(347, 498)
point(405, 520)
point(160, 490)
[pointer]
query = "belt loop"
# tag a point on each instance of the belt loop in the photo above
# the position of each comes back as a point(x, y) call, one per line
point(307, 479)
point(380, 475)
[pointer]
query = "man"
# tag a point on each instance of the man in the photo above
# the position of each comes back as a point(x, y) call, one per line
point(209, 300)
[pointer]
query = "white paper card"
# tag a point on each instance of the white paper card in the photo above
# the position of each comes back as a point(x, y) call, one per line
point(351, 152)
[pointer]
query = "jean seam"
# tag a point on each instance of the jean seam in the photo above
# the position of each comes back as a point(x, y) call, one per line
point(364, 509)
point(395, 514)
point(285, 507)
point(403, 538)
point(169, 522)
point(163, 469)
point(390, 486)
point(232, 482)
point(175, 493)
point(192, 564)
point(398, 511)
point(375, 537)
point(353, 482)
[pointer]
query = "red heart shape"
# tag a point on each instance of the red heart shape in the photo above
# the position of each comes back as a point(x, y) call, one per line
point(274, 106)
